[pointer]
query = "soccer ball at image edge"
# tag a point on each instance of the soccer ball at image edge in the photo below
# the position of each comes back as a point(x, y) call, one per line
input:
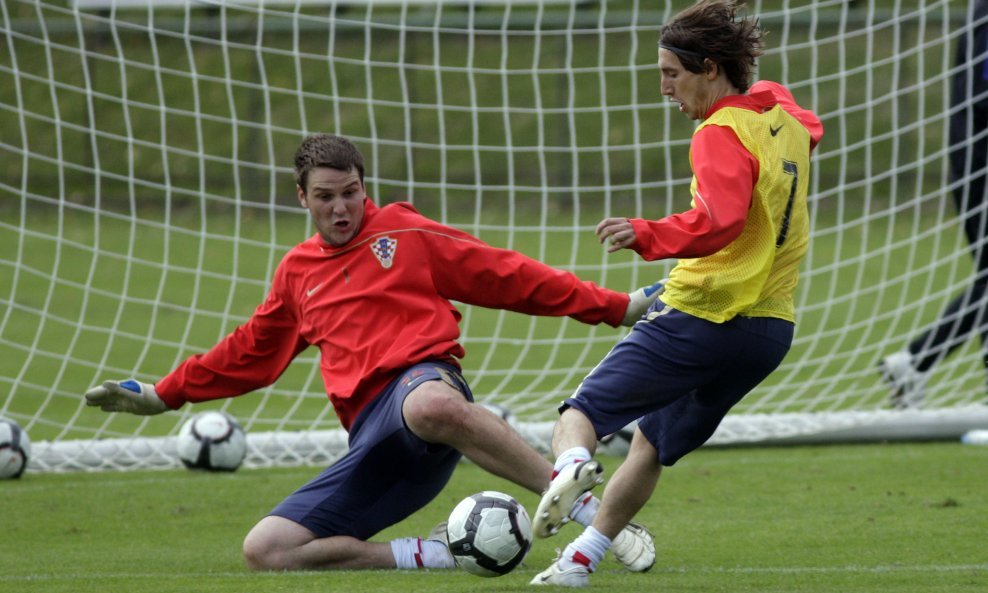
point(489, 533)
point(212, 440)
point(15, 449)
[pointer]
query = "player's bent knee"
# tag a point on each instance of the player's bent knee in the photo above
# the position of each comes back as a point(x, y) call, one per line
point(434, 413)
point(269, 545)
point(260, 554)
point(257, 554)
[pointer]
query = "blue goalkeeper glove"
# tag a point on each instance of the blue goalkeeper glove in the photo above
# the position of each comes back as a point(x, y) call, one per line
point(640, 301)
point(126, 396)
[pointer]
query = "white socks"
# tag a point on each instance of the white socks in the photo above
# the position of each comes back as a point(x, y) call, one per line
point(415, 552)
point(587, 550)
point(574, 455)
point(584, 509)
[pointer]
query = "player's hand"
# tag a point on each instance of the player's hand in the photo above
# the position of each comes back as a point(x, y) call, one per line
point(640, 300)
point(126, 396)
point(616, 232)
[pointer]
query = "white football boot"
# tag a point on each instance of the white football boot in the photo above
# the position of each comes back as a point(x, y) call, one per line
point(564, 490)
point(908, 383)
point(634, 547)
point(578, 576)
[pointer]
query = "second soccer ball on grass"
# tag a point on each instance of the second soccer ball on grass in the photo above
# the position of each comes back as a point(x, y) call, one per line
point(15, 449)
point(212, 441)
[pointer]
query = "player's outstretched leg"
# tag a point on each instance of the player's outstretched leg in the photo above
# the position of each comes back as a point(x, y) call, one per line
point(564, 490)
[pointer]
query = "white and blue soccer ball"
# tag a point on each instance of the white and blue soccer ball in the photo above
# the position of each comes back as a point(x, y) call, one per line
point(15, 449)
point(489, 533)
point(212, 441)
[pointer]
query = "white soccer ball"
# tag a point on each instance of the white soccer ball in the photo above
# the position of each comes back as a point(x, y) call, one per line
point(212, 441)
point(489, 534)
point(15, 449)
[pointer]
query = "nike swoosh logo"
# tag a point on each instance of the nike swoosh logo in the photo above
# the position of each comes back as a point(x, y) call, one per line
point(313, 290)
point(775, 131)
point(413, 382)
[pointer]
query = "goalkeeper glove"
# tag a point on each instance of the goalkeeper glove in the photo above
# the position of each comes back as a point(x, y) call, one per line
point(640, 300)
point(126, 396)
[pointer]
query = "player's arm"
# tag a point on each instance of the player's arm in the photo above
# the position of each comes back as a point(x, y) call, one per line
point(467, 270)
point(725, 174)
point(253, 356)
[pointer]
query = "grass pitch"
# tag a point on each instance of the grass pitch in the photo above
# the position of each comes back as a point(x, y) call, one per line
point(870, 518)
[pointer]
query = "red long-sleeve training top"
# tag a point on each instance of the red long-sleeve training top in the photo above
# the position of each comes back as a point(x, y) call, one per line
point(378, 305)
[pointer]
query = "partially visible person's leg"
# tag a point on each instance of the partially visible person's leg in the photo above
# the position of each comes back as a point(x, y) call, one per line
point(907, 371)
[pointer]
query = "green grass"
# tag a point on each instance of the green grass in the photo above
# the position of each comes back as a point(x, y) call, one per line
point(908, 518)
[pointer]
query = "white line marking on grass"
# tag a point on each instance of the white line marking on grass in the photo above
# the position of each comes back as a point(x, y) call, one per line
point(888, 568)
point(155, 576)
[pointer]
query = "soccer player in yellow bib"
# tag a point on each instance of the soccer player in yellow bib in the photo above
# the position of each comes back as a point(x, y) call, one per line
point(726, 317)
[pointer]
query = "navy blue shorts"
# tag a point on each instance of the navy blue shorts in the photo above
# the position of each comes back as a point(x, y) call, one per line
point(387, 474)
point(680, 375)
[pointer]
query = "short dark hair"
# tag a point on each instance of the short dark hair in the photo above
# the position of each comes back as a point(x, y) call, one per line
point(717, 30)
point(326, 150)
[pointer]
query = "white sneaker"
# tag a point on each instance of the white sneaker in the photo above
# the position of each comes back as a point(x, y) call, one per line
point(578, 576)
point(908, 384)
point(564, 490)
point(634, 548)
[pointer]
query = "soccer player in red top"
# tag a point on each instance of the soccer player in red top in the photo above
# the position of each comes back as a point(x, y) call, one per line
point(726, 317)
point(372, 290)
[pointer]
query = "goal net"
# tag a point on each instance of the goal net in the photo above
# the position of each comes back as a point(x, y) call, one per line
point(146, 196)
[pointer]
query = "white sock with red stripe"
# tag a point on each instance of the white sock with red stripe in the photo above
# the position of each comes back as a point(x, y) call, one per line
point(415, 552)
point(586, 550)
point(574, 455)
point(584, 509)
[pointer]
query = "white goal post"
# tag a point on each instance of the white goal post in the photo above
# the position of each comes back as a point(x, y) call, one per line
point(146, 196)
